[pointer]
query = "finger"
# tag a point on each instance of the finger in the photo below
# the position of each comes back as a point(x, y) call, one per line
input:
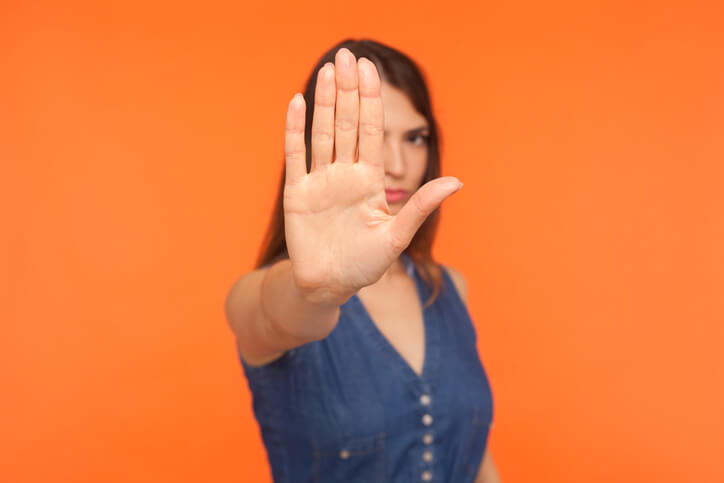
point(425, 200)
point(347, 113)
point(294, 151)
point(323, 120)
point(371, 115)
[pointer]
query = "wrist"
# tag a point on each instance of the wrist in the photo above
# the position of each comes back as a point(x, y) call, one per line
point(315, 298)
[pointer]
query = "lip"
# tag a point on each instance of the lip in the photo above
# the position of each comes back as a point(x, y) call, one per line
point(395, 195)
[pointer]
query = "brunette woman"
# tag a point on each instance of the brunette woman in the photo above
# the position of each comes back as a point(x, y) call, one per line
point(357, 346)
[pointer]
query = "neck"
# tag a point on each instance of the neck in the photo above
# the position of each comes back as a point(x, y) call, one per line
point(395, 270)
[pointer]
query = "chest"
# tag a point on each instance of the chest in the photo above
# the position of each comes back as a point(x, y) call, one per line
point(400, 320)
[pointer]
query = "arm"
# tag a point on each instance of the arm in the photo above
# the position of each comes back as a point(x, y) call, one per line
point(487, 473)
point(339, 232)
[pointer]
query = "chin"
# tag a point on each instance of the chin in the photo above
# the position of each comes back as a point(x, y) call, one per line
point(394, 208)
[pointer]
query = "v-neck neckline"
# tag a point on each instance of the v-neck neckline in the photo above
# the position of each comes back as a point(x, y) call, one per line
point(384, 341)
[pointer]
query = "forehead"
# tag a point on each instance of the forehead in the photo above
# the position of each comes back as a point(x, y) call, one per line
point(400, 114)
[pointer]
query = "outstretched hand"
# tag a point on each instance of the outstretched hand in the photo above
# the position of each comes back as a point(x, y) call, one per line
point(340, 234)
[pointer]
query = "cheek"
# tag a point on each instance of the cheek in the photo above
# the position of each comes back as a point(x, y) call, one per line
point(416, 162)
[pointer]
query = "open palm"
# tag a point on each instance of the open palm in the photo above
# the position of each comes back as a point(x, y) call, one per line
point(339, 231)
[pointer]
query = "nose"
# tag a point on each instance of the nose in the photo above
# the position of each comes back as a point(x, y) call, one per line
point(394, 160)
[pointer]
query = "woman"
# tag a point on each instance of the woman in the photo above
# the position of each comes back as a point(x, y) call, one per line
point(358, 348)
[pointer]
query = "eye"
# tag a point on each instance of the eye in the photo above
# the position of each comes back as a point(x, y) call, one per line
point(419, 139)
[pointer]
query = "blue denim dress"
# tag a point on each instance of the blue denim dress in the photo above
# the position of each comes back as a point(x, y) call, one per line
point(349, 408)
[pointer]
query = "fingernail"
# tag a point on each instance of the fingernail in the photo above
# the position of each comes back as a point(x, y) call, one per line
point(328, 72)
point(459, 185)
point(361, 67)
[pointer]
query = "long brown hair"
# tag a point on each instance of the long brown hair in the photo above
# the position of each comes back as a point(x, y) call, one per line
point(400, 71)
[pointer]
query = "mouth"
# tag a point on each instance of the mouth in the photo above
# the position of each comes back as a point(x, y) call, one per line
point(394, 196)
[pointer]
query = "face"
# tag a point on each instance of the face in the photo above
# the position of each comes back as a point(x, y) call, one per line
point(405, 147)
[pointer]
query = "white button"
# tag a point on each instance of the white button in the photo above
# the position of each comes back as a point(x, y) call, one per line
point(344, 454)
point(427, 439)
point(426, 476)
point(427, 456)
point(424, 399)
point(427, 420)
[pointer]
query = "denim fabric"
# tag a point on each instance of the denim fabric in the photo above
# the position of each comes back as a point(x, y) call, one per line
point(349, 408)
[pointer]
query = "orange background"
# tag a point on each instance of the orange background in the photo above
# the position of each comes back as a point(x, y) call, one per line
point(141, 146)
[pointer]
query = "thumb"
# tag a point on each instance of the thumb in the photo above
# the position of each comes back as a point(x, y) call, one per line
point(425, 200)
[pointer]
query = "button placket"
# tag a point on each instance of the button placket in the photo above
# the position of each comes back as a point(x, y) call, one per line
point(427, 456)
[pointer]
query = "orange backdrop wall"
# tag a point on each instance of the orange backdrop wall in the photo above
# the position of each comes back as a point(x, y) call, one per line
point(141, 145)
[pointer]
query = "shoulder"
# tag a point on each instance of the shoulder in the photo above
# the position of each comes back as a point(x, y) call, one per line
point(459, 282)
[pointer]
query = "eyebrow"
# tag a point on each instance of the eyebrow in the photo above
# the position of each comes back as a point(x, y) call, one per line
point(416, 130)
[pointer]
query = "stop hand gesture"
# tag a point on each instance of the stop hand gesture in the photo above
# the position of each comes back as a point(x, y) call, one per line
point(340, 234)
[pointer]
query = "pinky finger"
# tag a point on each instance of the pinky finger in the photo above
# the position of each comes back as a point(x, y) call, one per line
point(294, 150)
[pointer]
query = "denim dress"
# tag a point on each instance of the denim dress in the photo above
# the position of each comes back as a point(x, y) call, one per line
point(349, 408)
